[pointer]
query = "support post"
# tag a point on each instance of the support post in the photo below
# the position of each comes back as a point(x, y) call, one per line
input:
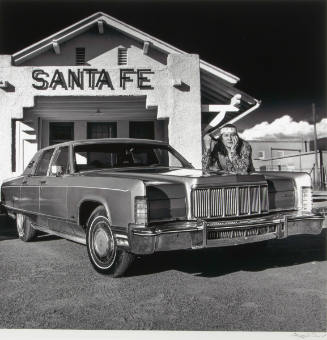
point(316, 184)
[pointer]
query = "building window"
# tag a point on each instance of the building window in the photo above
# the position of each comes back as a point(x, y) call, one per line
point(122, 56)
point(141, 130)
point(80, 56)
point(61, 132)
point(261, 154)
point(101, 130)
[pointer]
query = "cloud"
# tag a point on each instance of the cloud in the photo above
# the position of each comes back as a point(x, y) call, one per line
point(284, 128)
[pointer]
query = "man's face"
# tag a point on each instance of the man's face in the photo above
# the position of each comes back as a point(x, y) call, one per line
point(229, 137)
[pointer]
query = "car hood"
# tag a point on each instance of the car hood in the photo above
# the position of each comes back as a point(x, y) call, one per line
point(196, 176)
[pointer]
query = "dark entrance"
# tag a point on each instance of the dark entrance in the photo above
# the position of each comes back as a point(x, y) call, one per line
point(142, 130)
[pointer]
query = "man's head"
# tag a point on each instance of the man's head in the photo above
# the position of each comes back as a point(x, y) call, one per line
point(229, 135)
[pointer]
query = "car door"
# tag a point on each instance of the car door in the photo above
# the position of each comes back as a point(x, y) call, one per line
point(30, 188)
point(53, 193)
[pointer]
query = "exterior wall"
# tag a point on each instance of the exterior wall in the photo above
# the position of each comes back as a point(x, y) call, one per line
point(301, 162)
point(276, 153)
point(180, 106)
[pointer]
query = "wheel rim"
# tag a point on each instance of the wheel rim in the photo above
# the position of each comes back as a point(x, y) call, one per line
point(102, 244)
point(20, 224)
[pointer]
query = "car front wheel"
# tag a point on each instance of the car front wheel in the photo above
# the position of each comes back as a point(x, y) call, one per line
point(102, 248)
point(24, 228)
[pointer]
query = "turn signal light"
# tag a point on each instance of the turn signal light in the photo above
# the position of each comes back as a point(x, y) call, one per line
point(306, 198)
point(141, 210)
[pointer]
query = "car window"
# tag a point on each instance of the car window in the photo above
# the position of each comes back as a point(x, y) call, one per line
point(43, 165)
point(31, 165)
point(61, 159)
point(112, 155)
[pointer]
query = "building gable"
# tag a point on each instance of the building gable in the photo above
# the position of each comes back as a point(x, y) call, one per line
point(99, 21)
point(98, 49)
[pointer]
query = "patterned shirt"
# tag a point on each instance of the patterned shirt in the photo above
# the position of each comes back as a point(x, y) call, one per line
point(233, 162)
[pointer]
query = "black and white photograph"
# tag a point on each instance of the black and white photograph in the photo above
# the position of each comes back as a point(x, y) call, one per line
point(163, 168)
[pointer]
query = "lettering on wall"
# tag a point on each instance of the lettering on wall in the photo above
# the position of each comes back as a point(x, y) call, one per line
point(91, 78)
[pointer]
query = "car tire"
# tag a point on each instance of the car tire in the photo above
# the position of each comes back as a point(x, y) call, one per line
point(102, 248)
point(24, 228)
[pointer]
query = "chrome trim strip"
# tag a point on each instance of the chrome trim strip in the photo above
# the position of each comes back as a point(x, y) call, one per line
point(62, 186)
point(259, 198)
point(266, 221)
point(224, 201)
point(276, 210)
point(121, 236)
point(221, 185)
point(159, 232)
point(41, 214)
point(56, 233)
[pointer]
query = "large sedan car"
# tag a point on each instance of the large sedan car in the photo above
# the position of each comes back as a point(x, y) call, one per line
point(123, 197)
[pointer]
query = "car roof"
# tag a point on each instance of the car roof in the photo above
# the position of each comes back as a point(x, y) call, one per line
point(107, 140)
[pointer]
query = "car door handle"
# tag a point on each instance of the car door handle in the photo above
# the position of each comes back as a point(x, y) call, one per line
point(43, 182)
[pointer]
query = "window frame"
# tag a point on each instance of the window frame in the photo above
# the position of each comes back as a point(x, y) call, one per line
point(39, 160)
point(89, 128)
point(55, 157)
point(52, 123)
point(263, 154)
point(186, 164)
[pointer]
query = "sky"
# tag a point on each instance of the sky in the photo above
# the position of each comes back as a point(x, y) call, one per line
point(276, 48)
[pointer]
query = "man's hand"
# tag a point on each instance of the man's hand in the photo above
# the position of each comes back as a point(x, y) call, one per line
point(207, 142)
point(234, 143)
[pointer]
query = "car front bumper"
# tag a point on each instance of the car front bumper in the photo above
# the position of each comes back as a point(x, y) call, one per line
point(220, 233)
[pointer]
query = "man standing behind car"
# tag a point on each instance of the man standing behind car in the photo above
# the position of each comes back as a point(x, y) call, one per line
point(225, 151)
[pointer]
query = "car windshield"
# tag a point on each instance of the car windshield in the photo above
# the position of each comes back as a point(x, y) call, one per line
point(118, 155)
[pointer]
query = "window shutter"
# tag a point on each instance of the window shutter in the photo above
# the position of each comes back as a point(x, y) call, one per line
point(122, 56)
point(80, 56)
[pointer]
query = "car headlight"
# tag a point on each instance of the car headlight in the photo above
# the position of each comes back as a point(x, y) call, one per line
point(306, 193)
point(141, 210)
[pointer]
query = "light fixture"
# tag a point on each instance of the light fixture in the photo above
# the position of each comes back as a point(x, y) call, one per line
point(98, 112)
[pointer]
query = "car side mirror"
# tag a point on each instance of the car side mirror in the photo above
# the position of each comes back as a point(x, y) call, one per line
point(57, 170)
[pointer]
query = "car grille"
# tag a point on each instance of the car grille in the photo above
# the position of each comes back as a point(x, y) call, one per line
point(230, 201)
point(245, 232)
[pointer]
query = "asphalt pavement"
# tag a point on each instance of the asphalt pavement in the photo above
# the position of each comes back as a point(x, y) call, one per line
point(50, 284)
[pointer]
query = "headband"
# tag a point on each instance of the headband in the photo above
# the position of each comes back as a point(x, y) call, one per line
point(228, 130)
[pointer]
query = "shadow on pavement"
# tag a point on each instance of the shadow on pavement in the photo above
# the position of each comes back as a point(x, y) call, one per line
point(8, 231)
point(7, 228)
point(222, 261)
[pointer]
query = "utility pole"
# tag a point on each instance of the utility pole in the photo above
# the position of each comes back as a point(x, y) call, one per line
point(315, 144)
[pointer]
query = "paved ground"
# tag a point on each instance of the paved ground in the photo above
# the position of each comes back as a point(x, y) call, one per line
point(51, 284)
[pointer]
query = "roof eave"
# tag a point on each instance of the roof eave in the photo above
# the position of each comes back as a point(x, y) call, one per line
point(83, 25)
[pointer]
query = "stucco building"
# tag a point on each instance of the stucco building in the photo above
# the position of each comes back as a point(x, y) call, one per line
point(103, 78)
point(291, 155)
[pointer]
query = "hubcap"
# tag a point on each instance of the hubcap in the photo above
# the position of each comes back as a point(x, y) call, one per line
point(101, 242)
